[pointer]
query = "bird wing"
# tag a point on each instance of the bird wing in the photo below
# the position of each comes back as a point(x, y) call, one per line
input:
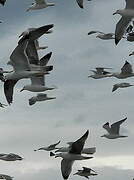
point(2, 2)
point(40, 1)
point(80, 3)
point(129, 4)
point(40, 80)
point(32, 54)
point(127, 68)
point(106, 126)
point(36, 33)
point(85, 169)
point(93, 32)
point(53, 145)
point(78, 145)
point(44, 60)
point(115, 86)
point(8, 90)
point(32, 101)
point(121, 28)
point(116, 126)
point(19, 59)
point(66, 168)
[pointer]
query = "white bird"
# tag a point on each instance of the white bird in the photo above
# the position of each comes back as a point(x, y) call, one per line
point(113, 131)
point(49, 148)
point(73, 154)
point(100, 73)
point(6, 177)
point(126, 71)
point(127, 15)
point(19, 61)
point(102, 35)
point(40, 97)
point(40, 4)
point(10, 157)
point(86, 172)
point(121, 85)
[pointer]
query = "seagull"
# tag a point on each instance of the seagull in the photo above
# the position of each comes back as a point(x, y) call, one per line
point(126, 71)
point(19, 61)
point(39, 97)
point(86, 172)
point(100, 73)
point(2, 2)
point(39, 4)
point(121, 85)
point(102, 35)
point(6, 177)
point(127, 16)
point(73, 154)
point(113, 131)
point(49, 148)
point(11, 157)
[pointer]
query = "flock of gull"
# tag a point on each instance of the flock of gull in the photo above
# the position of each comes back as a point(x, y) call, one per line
point(26, 64)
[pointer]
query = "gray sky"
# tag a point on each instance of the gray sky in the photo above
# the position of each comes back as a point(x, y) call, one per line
point(81, 103)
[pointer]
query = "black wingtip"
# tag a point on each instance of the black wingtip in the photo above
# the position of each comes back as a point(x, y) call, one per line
point(116, 41)
point(52, 154)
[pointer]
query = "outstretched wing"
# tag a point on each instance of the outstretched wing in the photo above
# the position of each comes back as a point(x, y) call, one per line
point(78, 145)
point(116, 126)
point(66, 168)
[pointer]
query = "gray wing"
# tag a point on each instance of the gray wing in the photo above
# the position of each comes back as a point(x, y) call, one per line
point(129, 4)
point(19, 59)
point(66, 168)
point(116, 126)
point(78, 145)
point(53, 145)
point(32, 54)
point(80, 3)
point(127, 68)
point(44, 60)
point(121, 28)
point(40, 80)
point(40, 1)
point(8, 90)
point(106, 126)
point(37, 33)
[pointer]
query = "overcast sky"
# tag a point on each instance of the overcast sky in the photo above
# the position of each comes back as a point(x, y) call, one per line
point(81, 103)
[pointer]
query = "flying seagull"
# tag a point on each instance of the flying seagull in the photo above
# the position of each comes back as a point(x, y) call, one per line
point(113, 130)
point(86, 172)
point(102, 35)
point(121, 85)
point(126, 71)
point(10, 157)
point(73, 154)
point(6, 177)
point(100, 73)
point(127, 15)
point(39, 4)
point(49, 148)
point(39, 97)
